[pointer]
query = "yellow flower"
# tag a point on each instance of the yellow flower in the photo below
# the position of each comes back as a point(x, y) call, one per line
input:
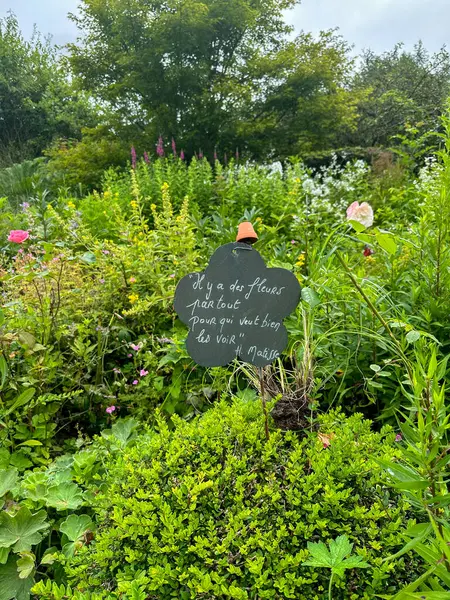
point(70, 204)
point(134, 204)
point(165, 186)
point(300, 260)
point(107, 194)
point(133, 298)
point(153, 206)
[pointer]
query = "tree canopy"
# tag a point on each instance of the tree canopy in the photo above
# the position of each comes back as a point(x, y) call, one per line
point(213, 73)
point(37, 100)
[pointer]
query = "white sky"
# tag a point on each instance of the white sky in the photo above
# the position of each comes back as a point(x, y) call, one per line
point(376, 24)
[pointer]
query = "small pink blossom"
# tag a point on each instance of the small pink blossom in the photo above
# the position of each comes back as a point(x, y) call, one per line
point(135, 347)
point(160, 147)
point(293, 242)
point(172, 276)
point(362, 213)
point(143, 372)
point(129, 355)
point(110, 409)
point(135, 382)
point(133, 157)
point(102, 281)
point(146, 158)
point(174, 148)
point(398, 437)
point(105, 252)
point(132, 280)
point(182, 155)
point(18, 236)
point(116, 370)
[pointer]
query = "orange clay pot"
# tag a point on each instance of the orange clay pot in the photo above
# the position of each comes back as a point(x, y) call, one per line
point(246, 233)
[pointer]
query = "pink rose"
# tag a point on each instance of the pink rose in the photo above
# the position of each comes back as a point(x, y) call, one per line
point(18, 236)
point(362, 213)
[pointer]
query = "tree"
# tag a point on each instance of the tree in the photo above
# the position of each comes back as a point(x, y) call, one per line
point(207, 72)
point(307, 103)
point(37, 100)
point(404, 88)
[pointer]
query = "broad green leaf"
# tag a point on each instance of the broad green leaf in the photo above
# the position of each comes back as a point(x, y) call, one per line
point(367, 239)
point(310, 297)
point(31, 443)
point(357, 226)
point(339, 549)
point(75, 526)
point(22, 399)
point(405, 478)
point(22, 530)
point(26, 564)
point(27, 339)
point(334, 558)
point(11, 586)
point(387, 242)
point(412, 336)
point(8, 479)
point(88, 258)
point(122, 430)
point(4, 553)
point(65, 496)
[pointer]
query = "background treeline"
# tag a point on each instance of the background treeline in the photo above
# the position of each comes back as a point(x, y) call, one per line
point(219, 78)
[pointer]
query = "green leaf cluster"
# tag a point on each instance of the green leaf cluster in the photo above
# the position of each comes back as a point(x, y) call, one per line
point(213, 509)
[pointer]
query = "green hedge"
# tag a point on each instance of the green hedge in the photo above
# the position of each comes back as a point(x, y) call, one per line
point(212, 510)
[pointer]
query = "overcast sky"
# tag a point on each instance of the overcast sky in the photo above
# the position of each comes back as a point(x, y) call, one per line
point(376, 24)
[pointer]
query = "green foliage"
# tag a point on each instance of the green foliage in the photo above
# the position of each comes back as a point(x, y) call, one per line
point(405, 88)
point(226, 75)
point(37, 100)
point(211, 508)
point(338, 558)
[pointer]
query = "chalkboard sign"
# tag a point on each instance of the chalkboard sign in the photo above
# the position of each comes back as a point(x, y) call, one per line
point(235, 308)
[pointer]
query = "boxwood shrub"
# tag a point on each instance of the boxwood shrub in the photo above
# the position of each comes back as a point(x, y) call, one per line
point(210, 509)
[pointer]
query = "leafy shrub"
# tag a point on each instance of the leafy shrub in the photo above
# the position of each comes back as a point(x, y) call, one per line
point(212, 510)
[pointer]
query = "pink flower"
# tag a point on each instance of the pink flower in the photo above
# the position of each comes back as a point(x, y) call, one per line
point(129, 355)
point(362, 213)
point(132, 280)
point(182, 155)
point(110, 409)
point(105, 251)
point(174, 148)
point(143, 372)
point(135, 382)
point(160, 147)
point(172, 276)
point(146, 158)
point(398, 437)
point(18, 236)
point(293, 242)
point(133, 157)
point(116, 370)
point(200, 154)
point(135, 347)
point(102, 281)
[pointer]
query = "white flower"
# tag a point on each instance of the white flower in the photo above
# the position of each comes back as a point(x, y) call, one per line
point(362, 213)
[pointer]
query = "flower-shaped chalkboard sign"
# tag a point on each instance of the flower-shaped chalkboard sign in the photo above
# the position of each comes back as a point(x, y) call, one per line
point(235, 308)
